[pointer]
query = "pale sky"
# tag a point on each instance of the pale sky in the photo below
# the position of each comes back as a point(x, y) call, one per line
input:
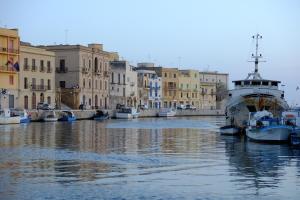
point(210, 35)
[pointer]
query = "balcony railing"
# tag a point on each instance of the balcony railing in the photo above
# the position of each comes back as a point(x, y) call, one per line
point(85, 70)
point(15, 51)
point(49, 70)
point(61, 69)
point(3, 49)
point(97, 72)
point(106, 73)
point(33, 68)
point(38, 87)
point(42, 69)
point(7, 68)
point(26, 67)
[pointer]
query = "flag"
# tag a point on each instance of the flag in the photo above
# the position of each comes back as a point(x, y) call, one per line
point(16, 66)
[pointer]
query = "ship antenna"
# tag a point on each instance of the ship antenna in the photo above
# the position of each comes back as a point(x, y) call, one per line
point(256, 57)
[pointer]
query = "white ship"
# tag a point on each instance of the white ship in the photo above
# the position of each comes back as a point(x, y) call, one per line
point(254, 94)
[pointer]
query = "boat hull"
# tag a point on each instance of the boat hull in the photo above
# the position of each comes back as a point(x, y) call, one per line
point(269, 134)
point(167, 114)
point(229, 130)
point(50, 119)
point(126, 115)
point(10, 120)
point(101, 118)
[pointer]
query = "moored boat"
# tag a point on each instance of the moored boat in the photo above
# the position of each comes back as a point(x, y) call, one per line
point(264, 128)
point(167, 112)
point(49, 116)
point(6, 117)
point(229, 130)
point(25, 117)
point(100, 115)
point(67, 115)
point(127, 113)
point(254, 94)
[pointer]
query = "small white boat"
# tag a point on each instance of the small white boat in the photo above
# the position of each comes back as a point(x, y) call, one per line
point(229, 130)
point(127, 113)
point(49, 116)
point(263, 127)
point(6, 117)
point(167, 112)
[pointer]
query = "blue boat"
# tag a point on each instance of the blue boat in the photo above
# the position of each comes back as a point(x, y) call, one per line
point(295, 137)
point(100, 115)
point(24, 117)
point(67, 116)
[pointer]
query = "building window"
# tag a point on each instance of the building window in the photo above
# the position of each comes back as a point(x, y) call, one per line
point(174, 75)
point(96, 84)
point(25, 83)
point(41, 65)
point(124, 80)
point(83, 83)
point(49, 84)
point(26, 102)
point(42, 83)
point(100, 85)
point(119, 78)
point(11, 79)
point(62, 64)
point(112, 78)
point(26, 64)
point(166, 75)
point(123, 92)
point(105, 85)
point(90, 85)
point(33, 65)
point(62, 84)
point(33, 84)
point(48, 66)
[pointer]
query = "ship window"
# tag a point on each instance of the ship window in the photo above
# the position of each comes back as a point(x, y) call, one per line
point(251, 108)
point(274, 84)
point(238, 83)
point(247, 83)
point(267, 107)
point(265, 83)
point(255, 82)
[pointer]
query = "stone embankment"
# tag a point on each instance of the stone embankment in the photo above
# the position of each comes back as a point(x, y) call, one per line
point(36, 115)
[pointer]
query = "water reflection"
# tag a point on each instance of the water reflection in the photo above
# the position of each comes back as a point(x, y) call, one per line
point(187, 160)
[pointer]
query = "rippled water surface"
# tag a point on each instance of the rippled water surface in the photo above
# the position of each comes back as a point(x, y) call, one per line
point(157, 158)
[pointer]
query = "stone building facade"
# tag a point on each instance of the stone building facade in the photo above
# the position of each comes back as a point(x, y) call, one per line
point(123, 84)
point(37, 77)
point(82, 74)
point(9, 67)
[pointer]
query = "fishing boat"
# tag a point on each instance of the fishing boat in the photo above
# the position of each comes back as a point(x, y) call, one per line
point(265, 128)
point(254, 94)
point(67, 115)
point(167, 112)
point(229, 130)
point(24, 117)
point(49, 116)
point(100, 115)
point(127, 113)
point(7, 117)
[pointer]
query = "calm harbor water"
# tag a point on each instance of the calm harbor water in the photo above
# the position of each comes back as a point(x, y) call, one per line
point(178, 158)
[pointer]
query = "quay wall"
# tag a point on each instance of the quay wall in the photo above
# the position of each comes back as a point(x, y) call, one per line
point(36, 115)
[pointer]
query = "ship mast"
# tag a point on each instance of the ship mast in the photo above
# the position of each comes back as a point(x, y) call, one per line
point(256, 57)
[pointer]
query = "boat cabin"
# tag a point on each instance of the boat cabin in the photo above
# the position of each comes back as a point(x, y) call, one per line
point(256, 83)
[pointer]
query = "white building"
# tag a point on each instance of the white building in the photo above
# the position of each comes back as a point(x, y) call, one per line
point(123, 84)
point(149, 86)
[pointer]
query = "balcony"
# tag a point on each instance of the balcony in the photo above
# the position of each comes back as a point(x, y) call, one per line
point(61, 69)
point(98, 72)
point(26, 67)
point(42, 69)
point(106, 73)
point(49, 70)
point(33, 68)
point(3, 49)
point(85, 70)
point(14, 51)
point(38, 87)
point(7, 69)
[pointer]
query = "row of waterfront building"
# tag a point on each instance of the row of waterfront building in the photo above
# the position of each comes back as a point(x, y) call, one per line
point(74, 75)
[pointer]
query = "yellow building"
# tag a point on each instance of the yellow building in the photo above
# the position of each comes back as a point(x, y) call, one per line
point(189, 88)
point(208, 95)
point(170, 81)
point(9, 67)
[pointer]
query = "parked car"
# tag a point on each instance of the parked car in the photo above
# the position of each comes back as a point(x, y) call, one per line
point(190, 107)
point(44, 106)
point(181, 107)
